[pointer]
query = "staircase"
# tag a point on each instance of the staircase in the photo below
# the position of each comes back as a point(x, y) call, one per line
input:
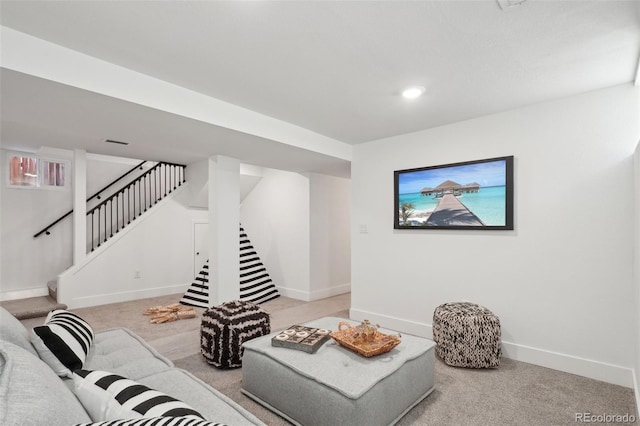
point(124, 203)
point(120, 209)
point(52, 287)
point(32, 307)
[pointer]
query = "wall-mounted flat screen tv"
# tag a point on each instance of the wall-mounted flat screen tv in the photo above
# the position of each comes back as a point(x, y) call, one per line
point(468, 195)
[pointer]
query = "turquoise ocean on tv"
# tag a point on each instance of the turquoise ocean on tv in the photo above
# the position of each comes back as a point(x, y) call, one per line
point(488, 204)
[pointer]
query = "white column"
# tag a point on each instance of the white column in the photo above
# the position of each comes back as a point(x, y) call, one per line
point(224, 229)
point(79, 205)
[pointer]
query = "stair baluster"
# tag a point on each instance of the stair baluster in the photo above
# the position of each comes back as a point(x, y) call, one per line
point(131, 201)
point(155, 183)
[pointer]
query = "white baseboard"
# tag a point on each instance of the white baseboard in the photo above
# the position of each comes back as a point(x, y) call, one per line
point(125, 296)
point(393, 323)
point(24, 294)
point(294, 294)
point(570, 364)
point(310, 296)
point(331, 291)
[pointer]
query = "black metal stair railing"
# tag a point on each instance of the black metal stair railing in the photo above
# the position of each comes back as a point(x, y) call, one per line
point(120, 209)
point(97, 195)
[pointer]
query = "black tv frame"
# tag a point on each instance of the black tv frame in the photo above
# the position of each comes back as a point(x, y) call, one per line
point(452, 218)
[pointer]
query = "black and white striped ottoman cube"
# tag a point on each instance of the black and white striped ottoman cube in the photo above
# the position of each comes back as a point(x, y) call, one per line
point(467, 335)
point(226, 327)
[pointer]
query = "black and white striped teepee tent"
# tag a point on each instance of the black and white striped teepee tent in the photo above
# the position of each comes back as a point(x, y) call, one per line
point(198, 292)
point(255, 283)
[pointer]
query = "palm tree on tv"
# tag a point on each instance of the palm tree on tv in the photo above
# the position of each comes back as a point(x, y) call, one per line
point(406, 211)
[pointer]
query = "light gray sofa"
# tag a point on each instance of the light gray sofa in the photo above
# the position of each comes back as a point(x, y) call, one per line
point(32, 394)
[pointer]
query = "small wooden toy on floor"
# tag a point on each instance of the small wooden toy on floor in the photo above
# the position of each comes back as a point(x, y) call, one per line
point(170, 313)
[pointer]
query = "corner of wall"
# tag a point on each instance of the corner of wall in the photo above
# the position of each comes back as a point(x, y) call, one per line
point(636, 270)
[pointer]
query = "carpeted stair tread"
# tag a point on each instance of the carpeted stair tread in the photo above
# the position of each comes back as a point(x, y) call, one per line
point(32, 307)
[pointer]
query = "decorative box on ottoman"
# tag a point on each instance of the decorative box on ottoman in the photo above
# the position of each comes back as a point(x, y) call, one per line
point(467, 335)
point(226, 327)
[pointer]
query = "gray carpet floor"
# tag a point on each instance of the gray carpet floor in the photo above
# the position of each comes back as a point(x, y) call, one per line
point(516, 393)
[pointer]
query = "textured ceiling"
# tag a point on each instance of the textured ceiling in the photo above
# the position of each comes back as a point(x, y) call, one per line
point(337, 68)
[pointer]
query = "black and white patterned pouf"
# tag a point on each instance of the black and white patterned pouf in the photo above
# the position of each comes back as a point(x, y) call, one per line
point(467, 335)
point(226, 327)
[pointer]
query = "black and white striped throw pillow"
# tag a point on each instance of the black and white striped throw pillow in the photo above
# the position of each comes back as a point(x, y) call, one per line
point(63, 342)
point(156, 421)
point(107, 396)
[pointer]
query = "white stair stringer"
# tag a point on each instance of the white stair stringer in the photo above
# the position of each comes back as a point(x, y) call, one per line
point(141, 260)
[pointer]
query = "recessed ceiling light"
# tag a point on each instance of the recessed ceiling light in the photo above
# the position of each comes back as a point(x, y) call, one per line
point(413, 92)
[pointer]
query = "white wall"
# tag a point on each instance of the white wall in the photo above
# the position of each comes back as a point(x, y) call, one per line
point(330, 235)
point(561, 282)
point(275, 216)
point(28, 263)
point(152, 256)
point(299, 225)
point(197, 175)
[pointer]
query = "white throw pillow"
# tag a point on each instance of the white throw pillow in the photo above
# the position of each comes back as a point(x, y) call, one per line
point(63, 342)
point(107, 396)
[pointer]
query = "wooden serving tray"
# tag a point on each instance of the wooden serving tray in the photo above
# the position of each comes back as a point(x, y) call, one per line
point(380, 344)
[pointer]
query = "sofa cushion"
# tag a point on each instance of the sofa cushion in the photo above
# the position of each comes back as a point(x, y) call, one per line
point(209, 402)
point(63, 342)
point(155, 421)
point(107, 396)
point(12, 330)
point(122, 352)
point(31, 394)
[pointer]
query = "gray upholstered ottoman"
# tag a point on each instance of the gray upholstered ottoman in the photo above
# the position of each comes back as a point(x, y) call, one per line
point(467, 335)
point(336, 386)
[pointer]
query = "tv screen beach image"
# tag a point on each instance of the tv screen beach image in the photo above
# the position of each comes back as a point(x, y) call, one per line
point(473, 194)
